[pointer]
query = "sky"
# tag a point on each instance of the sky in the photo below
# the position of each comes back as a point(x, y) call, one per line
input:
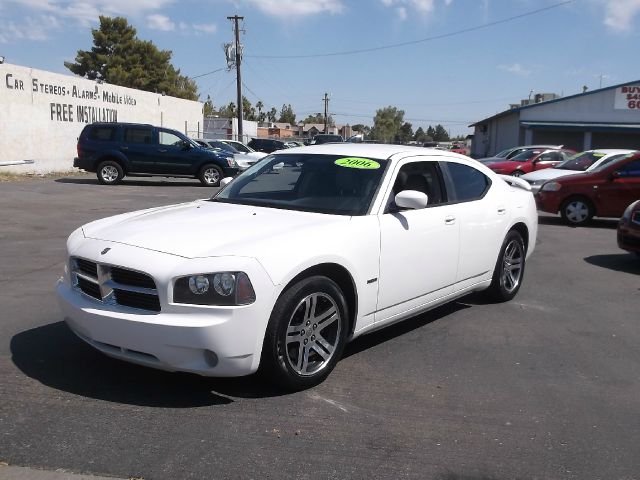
point(459, 60)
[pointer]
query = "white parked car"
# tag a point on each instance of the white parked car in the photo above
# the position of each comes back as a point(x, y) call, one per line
point(243, 160)
point(280, 271)
point(582, 162)
point(242, 148)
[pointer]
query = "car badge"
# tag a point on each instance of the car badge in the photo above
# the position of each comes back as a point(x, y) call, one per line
point(105, 251)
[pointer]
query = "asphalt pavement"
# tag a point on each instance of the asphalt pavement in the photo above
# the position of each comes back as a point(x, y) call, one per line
point(546, 386)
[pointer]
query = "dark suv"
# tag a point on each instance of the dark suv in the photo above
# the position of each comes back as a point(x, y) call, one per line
point(114, 150)
point(266, 145)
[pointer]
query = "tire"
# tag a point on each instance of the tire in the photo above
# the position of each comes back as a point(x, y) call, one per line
point(306, 334)
point(109, 173)
point(517, 173)
point(509, 270)
point(210, 175)
point(577, 211)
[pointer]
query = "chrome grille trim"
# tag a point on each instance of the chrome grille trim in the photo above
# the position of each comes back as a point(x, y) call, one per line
point(147, 301)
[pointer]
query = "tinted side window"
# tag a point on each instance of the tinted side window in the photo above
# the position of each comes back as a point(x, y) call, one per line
point(138, 135)
point(102, 134)
point(469, 184)
point(631, 169)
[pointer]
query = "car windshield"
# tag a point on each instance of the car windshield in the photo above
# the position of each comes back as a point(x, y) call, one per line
point(581, 161)
point(240, 147)
point(504, 153)
point(525, 156)
point(619, 158)
point(223, 146)
point(314, 183)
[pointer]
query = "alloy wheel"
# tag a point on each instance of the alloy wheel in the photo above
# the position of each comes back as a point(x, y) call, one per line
point(211, 176)
point(109, 173)
point(512, 265)
point(313, 334)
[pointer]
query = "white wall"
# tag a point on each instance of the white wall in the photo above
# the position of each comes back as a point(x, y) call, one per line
point(43, 113)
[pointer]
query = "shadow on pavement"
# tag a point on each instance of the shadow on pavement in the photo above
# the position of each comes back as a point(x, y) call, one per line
point(54, 356)
point(388, 333)
point(183, 182)
point(607, 223)
point(620, 262)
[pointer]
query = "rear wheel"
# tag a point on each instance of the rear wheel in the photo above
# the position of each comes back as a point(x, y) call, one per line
point(210, 175)
point(306, 334)
point(109, 173)
point(509, 269)
point(577, 211)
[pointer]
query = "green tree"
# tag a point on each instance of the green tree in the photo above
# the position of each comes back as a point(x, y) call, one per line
point(272, 114)
point(405, 134)
point(261, 115)
point(119, 57)
point(419, 136)
point(248, 111)
point(287, 115)
point(440, 134)
point(319, 118)
point(209, 110)
point(387, 123)
point(228, 111)
point(431, 133)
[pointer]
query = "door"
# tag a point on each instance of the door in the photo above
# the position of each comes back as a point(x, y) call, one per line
point(173, 154)
point(482, 215)
point(419, 248)
point(621, 189)
point(140, 145)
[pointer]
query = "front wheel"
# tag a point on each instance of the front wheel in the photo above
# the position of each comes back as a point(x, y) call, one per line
point(577, 211)
point(509, 269)
point(109, 173)
point(517, 173)
point(210, 175)
point(306, 334)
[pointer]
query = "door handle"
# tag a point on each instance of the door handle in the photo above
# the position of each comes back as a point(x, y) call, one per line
point(449, 220)
point(162, 150)
point(502, 210)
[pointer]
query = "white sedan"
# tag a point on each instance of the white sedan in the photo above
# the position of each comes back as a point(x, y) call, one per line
point(280, 271)
point(580, 163)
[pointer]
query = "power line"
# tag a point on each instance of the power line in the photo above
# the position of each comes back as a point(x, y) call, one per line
point(208, 73)
point(422, 40)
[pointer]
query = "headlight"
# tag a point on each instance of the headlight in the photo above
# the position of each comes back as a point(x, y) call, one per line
point(626, 216)
point(551, 187)
point(231, 162)
point(221, 288)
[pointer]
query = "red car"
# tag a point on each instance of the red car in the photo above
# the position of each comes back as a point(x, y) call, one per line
point(603, 192)
point(629, 229)
point(530, 160)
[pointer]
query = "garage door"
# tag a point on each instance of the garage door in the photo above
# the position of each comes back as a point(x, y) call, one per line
point(615, 140)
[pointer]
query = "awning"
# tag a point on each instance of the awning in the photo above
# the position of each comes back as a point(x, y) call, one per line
point(583, 126)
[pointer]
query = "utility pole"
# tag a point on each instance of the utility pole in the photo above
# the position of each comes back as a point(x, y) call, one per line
point(235, 19)
point(326, 108)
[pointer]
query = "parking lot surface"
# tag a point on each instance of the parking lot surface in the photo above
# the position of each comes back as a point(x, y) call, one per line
point(546, 386)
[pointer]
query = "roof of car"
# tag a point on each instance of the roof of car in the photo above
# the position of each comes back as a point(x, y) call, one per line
point(372, 150)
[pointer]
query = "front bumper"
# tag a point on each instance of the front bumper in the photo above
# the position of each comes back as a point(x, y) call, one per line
point(547, 201)
point(212, 341)
point(629, 237)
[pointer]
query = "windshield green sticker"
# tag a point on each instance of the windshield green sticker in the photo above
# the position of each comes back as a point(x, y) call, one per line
point(357, 162)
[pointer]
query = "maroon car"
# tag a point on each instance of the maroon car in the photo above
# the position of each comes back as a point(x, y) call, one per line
point(603, 192)
point(629, 229)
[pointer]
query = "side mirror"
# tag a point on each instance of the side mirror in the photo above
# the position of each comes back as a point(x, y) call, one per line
point(411, 199)
point(225, 181)
point(185, 145)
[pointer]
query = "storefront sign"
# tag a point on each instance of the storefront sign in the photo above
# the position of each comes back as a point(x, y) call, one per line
point(628, 98)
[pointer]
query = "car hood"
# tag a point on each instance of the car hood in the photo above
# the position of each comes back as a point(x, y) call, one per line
point(206, 229)
point(548, 174)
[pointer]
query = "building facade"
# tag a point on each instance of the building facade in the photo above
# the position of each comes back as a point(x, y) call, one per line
point(42, 114)
point(604, 118)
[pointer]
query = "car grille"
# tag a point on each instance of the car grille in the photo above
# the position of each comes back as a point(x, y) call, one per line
point(114, 285)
